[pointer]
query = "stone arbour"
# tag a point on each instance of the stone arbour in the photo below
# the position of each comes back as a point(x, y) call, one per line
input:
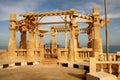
point(30, 23)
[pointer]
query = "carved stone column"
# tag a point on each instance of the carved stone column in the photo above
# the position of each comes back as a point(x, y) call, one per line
point(12, 28)
point(52, 40)
point(30, 45)
point(95, 41)
point(23, 40)
point(41, 45)
point(73, 41)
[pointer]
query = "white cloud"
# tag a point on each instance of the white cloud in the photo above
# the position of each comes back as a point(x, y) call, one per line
point(114, 15)
point(17, 7)
point(113, 8)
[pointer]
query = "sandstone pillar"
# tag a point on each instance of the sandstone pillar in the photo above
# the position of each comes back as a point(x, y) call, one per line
point(73, 41)
point(12, 28)
point(23, 40)
point(52, 40)
point(30, 45)
point(95, 41)
point(41, 45)
point(36, 37)
point(66, 40)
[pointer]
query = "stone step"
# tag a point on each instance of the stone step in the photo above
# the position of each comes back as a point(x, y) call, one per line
point(49, 61)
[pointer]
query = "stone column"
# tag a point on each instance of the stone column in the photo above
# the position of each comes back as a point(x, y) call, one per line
point(23, 40)
point(30, 45)
point(73, 41)
point(52, 40)
point(36, 36)
point(41, 45)
point(66, 40)
point(12, 28)
point(97, 42)
point(90, 36)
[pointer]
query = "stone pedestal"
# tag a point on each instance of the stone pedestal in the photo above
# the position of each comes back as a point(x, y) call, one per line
point(92, 66)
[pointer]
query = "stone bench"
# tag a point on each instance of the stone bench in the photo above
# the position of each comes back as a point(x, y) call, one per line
point(100, 76)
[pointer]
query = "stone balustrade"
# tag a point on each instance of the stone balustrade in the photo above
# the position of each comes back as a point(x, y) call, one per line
point(63, 54)
point(84, 53)
point(111, 66)
point(111, 57)
point(37, 53)
point(21, 52)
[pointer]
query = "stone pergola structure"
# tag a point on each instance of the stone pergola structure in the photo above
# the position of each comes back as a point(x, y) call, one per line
point(29, 25)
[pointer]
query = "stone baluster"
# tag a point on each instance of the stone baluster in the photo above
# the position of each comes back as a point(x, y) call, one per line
point(114, 57)
point(83, 54)
point(110, 57)
point(119, 70)
point(105, 58)
point(80, 54)
point(88, 54)
point(110, 68)
point(99, 58)
point(102, 57)
point(102, 67)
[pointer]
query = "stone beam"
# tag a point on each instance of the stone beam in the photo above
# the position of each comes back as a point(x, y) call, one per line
point(53, 13)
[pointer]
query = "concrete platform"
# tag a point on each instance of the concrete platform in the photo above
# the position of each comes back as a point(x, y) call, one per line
point(41, 72)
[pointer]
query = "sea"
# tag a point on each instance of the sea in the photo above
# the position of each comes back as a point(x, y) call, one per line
point(112, 49)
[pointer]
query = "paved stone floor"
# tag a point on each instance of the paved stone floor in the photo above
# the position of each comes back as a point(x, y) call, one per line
point(41, 72)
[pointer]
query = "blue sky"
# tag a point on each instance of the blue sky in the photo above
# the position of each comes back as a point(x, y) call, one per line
point(82, 7)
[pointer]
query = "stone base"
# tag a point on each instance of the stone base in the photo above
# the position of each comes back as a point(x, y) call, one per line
point(100, 76)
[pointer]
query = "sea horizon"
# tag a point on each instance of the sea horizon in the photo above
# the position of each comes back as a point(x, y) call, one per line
point(112, 49)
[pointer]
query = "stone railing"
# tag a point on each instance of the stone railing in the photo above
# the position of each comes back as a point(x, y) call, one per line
point(38, 52)
point(111, 57)
point(84, 54)
point(109, 66)
point(112, 67)
point(62, 54)
point(21, 52)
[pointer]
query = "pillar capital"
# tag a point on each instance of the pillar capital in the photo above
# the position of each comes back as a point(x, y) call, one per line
point(41, 35)
point(95, 11)
point(12, 17)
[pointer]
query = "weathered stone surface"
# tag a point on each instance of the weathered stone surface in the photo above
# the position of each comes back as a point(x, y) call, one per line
point(101, 76)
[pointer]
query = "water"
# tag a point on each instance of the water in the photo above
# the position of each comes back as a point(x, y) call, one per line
point(112, 49)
